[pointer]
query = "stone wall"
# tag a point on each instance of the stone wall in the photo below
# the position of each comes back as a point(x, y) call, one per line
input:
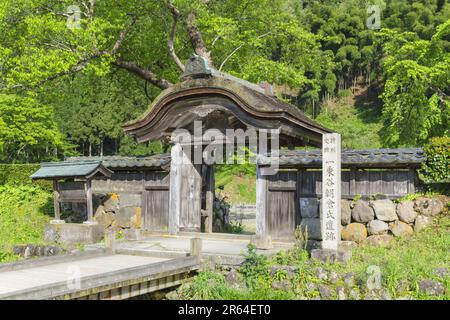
point(374, 221)
point(119, 211)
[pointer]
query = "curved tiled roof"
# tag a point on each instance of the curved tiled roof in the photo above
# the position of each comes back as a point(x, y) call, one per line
point(366, 158)
point(124, 162)
point(60, 170)
point(210, 90)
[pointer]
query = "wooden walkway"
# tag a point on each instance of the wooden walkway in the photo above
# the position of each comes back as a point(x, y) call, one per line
point(93, 276)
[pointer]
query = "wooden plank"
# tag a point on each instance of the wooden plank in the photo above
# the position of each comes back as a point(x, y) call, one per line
point(282, 207)
point(375, 182)
point(352, 181)
point(411, 181)
point(156, 209)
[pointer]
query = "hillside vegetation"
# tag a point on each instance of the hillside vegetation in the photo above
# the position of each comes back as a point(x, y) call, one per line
point(24, 211)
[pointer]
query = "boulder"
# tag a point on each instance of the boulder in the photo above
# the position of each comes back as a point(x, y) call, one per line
point(346, 212)
point(362, 212)
point(111, 203)
point(385, 294)
point(384, 210)
point(354, 294)
point(290, 271)
point(311, 287)
point(105, 219)
point(402, 286)
point(309, 207)
point(283, 285)
point(422, 222)
point(400, 229)
point(441, 272)
point(311, 228)
point(377, 227)
point(340, 292)
point(349, 279)
point(333, 277)
point(406, 212)
point(233, 279)
point(428, 206)
point(325, 292)
point(354, 232)
point(321, 274)
point(28, 253)
point(378, 240)
point(124, 217)
point(431, 287)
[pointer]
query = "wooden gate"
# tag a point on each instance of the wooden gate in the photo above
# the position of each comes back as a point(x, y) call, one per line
point(156, 208)
point(155, 202)
point(282, 207)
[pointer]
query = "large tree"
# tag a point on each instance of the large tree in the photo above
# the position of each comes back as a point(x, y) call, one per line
point(28, 131)
point(417, 89)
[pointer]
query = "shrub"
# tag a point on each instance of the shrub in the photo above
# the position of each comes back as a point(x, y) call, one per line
point(255, 267)
point(24, 211)
point(436, 168)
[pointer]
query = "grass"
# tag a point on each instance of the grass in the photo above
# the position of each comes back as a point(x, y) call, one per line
point(360, 127)
point(239, 182)
point(412, 258)
point(24, 212)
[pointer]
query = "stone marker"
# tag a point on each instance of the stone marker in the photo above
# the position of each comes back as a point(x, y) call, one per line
point(331, 191)
point(331, 202)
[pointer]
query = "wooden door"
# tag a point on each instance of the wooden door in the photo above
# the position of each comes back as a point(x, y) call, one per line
point(191, 201)
point(156, 208)
point(282, 206)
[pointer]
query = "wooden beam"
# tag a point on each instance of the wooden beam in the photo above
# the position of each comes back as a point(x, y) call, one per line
point(56, 203)
point(352, 182)
point(411, 181)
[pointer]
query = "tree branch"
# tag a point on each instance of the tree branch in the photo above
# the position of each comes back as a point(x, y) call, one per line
point(171, 40)
point(145, 74)
point(239, 47)
point(196, 38)
point(130, 66)
point(122, 35)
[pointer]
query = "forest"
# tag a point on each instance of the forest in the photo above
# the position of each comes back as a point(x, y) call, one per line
point(73, 71)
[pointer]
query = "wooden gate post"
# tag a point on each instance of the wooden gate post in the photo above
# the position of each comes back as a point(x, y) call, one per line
point(261, 201)
point(175, 188)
